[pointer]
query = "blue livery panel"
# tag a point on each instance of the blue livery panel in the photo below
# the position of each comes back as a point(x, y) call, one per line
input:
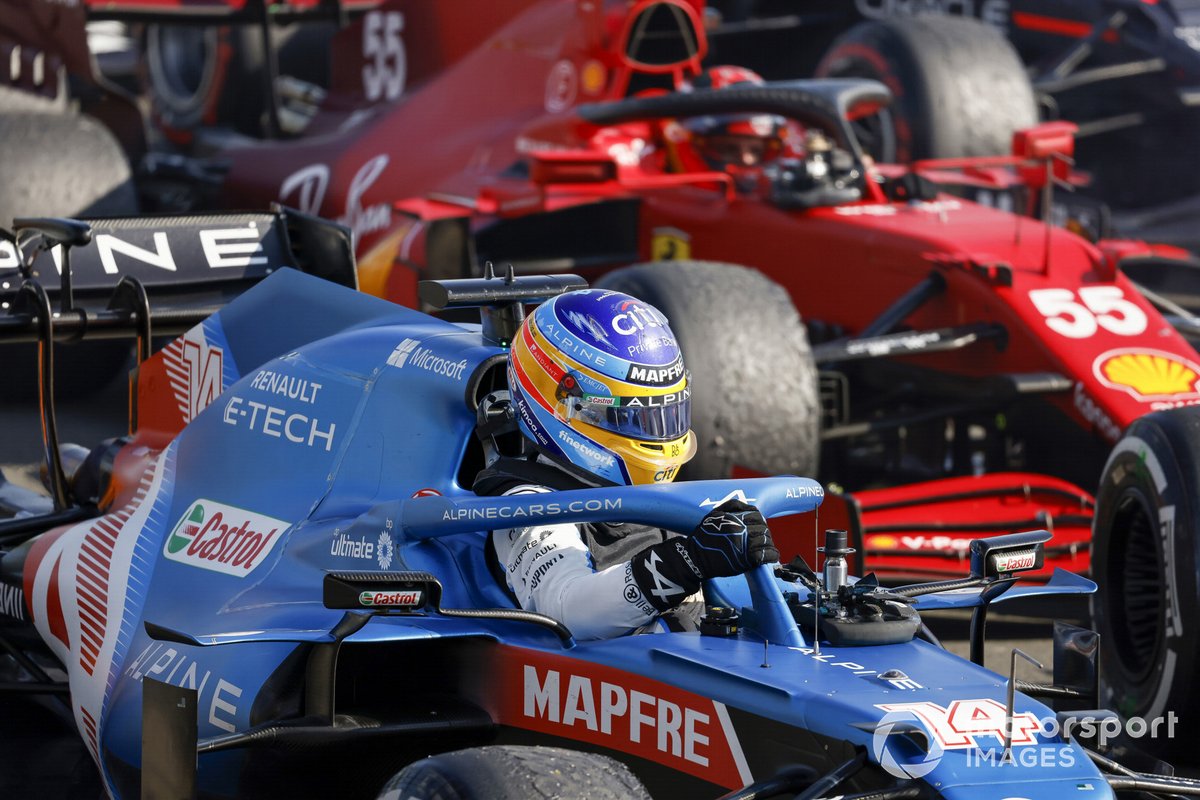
point(334, 443)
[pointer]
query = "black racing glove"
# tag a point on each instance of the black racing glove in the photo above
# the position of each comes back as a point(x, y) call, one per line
point(731, 539)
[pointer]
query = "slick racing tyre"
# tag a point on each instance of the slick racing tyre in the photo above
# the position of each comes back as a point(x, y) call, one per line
point(959, 88)
point(1144, 558)
point(62, 165)
point(754, 382)
point(509, 772)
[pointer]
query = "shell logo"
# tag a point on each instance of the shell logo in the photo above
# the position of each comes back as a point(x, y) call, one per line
point(1148, 374)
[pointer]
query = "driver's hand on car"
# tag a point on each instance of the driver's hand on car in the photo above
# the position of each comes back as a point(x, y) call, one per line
point(731, 539)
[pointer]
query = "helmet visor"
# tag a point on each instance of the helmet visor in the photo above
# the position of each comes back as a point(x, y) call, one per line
point(660, 418)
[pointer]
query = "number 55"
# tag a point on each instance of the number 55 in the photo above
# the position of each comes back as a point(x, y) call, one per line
point(382, 44)
point(1103, 307)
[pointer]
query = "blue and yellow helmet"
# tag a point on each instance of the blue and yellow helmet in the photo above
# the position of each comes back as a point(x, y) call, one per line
point(598, 384)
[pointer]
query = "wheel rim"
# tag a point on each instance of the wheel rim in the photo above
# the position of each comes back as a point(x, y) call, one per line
point(182, 61)
point(1137, 604)
point(876, 133)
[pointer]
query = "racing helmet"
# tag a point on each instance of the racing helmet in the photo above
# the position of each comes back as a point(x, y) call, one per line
point(732, 142)
point(599, 386)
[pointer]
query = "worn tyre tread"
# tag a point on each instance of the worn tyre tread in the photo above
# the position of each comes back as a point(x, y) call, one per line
point(512, 772)
point(754, 397)
point(958, 82)
point(61, 165)
point(13, 100)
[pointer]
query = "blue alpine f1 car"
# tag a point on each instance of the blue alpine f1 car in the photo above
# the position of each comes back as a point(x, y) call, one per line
point(276, 586)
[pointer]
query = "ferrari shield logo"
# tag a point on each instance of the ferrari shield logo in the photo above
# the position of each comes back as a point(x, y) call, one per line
point(670, 244)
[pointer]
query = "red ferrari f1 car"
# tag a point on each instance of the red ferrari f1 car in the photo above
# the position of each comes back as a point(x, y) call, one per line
point(988, 370)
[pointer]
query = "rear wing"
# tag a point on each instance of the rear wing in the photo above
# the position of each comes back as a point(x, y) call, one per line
point(187, 266)
point(224, 12)
point(69, 279)
point(262, 14)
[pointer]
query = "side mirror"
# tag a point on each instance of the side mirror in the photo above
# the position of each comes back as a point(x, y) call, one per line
point(572, 167)
point(1001, 556)
point(1053, 141)
point(405, 592)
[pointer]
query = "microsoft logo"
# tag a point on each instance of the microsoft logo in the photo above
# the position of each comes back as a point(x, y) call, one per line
point(401, 353)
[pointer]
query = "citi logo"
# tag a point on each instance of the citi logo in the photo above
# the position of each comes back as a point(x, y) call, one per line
point(637, 318)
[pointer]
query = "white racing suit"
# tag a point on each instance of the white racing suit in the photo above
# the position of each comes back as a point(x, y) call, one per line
point(580, 575)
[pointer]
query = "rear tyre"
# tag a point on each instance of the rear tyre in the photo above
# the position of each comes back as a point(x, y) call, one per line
point(754, 382)
point(959, 87)
point(1144, 558)
point(62, 165)
point(509, 772)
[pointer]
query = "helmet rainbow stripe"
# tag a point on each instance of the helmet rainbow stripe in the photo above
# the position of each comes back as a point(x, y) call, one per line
point(599, 384)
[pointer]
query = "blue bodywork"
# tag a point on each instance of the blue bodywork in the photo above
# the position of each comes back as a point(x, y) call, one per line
point(338, 409)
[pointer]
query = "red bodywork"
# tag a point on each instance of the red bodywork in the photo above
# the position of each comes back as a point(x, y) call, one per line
point(476, 132)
